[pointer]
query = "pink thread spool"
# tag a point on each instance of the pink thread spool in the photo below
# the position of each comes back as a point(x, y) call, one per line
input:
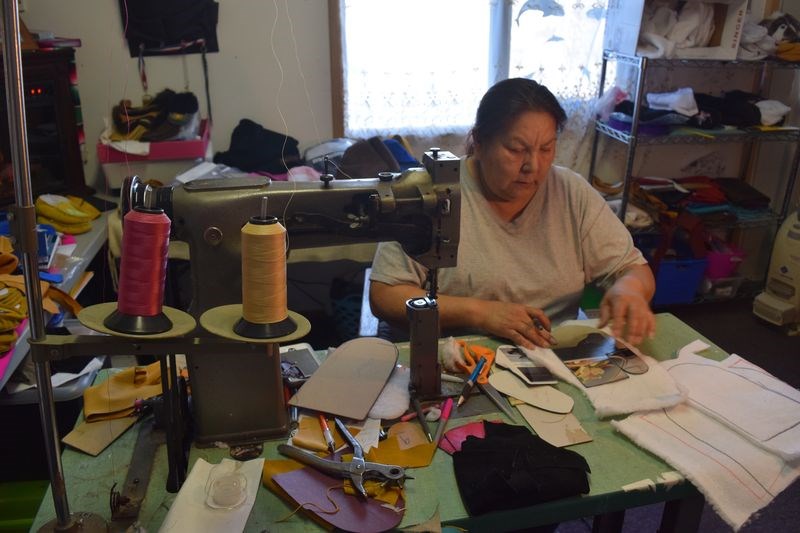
point(143, 272)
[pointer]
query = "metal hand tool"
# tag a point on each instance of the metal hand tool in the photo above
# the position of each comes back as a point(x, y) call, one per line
point(357, 470)
point(472, 354)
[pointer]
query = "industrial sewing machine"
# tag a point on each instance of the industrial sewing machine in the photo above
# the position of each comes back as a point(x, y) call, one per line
point(419, 208)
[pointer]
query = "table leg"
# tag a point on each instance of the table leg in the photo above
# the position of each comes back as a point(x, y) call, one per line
point(682, 515)
point(608, 522)
point(174, 429)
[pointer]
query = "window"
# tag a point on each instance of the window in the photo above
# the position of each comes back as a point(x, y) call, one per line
point(419, 67)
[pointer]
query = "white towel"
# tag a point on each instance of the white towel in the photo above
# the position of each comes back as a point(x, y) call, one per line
point(654, 389)
point(737, 477)
point(742, 396)
point(190, 512)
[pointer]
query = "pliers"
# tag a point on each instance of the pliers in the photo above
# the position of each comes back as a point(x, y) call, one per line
point(357, 470)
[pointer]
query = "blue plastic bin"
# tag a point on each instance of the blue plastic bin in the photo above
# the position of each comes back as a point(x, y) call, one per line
point(678, 281)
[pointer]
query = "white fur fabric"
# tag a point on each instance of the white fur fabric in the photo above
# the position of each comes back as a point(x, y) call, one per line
point(654, 389)
point(743, 396)
point(736, 438)
point(451, 356)
point(394, 399)
point(736, 476)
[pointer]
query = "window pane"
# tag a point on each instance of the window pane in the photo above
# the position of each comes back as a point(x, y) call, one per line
point(414, 66)
point(559, 44)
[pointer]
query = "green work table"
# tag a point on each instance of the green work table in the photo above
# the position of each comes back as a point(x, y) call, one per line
point(614, 460)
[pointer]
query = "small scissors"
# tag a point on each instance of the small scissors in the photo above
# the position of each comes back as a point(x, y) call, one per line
point(472, 354)
point(357, 470)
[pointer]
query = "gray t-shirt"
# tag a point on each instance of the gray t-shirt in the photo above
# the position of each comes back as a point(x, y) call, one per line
point(565, 238)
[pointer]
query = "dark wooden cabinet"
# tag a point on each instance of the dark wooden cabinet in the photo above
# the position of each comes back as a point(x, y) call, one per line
point(52, 111)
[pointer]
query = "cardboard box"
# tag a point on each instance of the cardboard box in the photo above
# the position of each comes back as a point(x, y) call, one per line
point(160, 151)
point(624, 22)
point(166, 159)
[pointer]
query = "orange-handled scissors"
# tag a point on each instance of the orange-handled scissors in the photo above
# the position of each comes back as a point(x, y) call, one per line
point(473, 354)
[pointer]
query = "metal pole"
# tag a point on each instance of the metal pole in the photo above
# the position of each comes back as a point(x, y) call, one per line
point(15, 104)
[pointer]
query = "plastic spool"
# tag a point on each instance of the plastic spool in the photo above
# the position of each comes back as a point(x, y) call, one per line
point(143, 271)
point(264, 310)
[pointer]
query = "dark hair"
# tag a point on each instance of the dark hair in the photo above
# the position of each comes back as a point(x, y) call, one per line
point(505, 101)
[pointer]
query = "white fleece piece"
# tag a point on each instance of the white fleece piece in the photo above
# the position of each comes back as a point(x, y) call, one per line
point(737, 438)
point(736, 476)
point(743, 396)
point(772, 111)
point(655, 389)
point(394, 399)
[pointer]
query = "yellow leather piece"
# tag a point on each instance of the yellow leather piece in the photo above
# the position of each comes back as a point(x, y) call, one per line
point(8, 261)
point(375, 489)
point(18, 282)
point(66, 301)
point(395, 450)
point(788, 51)
point(60, 209)
point(8, 337)
point(69, 229)
point(114, 398)
point(82, 205)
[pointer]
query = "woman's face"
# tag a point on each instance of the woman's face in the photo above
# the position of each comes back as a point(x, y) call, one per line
point(514, 164)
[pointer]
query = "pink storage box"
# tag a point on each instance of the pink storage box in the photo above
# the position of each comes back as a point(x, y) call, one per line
point(723, 263)
point(165, 150)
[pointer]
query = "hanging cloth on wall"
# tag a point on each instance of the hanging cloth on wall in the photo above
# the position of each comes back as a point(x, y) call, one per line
point(171, 27)
point(165, 27)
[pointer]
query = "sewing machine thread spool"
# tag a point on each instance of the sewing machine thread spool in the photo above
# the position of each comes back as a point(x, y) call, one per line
point(264, 309)
point(143, 271)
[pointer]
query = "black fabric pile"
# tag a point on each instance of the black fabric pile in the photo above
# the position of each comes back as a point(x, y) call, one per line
point(742, 194)
point(254, 148)
point(733, 108)
point(512, 468)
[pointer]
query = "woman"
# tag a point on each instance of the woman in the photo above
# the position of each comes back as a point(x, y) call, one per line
point(532, 236)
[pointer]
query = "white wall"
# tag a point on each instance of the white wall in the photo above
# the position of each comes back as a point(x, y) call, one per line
point(273, 67)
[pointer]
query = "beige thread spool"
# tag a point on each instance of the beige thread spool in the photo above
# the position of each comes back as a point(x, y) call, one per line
point(264, 271)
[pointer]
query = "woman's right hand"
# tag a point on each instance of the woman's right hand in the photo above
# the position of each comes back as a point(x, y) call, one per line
point(518, 323)
point(515, 322)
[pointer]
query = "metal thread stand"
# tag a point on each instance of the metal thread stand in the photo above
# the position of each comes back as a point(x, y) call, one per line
point(24, 216)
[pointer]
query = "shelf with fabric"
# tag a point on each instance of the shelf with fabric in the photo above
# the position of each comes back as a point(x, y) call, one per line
point(87, 246)
point(633, 136)
point(701, 136)
point(634, 133)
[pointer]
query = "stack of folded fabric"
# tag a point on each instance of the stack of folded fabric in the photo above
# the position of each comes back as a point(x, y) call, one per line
point(168, 116)
point(14, 307)
point(13, 310)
